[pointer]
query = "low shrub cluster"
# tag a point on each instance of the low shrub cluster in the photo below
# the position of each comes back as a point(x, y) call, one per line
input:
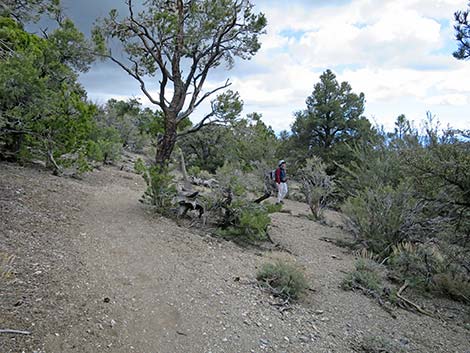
point(315, 185)
point(245, 221)
point(283, 279)
point(367, 277)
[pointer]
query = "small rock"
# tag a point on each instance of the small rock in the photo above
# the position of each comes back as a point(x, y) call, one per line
point(318, 312)
point(304, 339)
point(264, 342)
point(286, 339)
point(112, 323)
point(404, 341)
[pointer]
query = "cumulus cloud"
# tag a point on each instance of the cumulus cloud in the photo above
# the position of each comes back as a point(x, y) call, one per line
point(395, 51)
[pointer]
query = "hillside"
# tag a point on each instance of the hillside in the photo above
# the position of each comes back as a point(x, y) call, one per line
point(85, 267)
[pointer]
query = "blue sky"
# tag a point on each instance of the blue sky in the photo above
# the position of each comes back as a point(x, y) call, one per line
point(398, 52)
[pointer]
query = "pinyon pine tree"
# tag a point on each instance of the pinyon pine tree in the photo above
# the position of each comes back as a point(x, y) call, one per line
point(173, 45)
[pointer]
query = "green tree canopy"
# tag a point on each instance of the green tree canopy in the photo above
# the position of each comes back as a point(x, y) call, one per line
point(24, 11)
point(333, 117)
point(248, 143)
point(43, 108)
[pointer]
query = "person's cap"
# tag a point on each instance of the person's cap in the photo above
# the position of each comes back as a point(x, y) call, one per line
point(281, 162)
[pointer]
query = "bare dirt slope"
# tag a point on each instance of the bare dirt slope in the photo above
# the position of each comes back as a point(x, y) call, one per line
point(96, 271)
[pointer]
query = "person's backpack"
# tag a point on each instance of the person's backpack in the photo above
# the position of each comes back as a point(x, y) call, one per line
point(270, 181)
point(272, 175)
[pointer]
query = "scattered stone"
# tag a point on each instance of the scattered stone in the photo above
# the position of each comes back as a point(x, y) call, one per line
point(404, 341)
point(318, 312)
point(264, 342)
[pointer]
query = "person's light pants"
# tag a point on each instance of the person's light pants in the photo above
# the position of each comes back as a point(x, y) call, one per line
point(282, 191)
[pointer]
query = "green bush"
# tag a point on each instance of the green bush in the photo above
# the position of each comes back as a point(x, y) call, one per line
point(232, 175)
point(273, 207)
point(283, 279)
point(245, 220)
point(383, 217)
point(194, 170)
point(106, 145)
point(366, 276)
point(161, 190)
point(455, 287)
point(416, 263)
point(316, 186)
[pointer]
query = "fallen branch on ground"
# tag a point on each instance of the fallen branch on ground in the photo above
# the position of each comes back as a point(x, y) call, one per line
point(15, 332)
point(409, 302)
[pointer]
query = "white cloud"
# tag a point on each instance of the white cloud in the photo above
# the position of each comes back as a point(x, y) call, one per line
point(449, 99)
point(387, 49)
point(359, 33)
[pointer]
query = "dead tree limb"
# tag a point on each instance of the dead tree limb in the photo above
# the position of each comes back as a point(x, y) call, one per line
point(409, 302)
point(262, 198)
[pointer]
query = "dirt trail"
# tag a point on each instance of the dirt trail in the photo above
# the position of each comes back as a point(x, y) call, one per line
point(148, 285)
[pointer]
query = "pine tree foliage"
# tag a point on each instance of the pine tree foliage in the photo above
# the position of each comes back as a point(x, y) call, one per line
point(462, 34)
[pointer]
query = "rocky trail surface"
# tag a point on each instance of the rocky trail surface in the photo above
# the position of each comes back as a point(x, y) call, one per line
point(85, 267)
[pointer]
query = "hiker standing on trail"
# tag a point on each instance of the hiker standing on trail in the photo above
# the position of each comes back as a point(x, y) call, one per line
point(281, 181)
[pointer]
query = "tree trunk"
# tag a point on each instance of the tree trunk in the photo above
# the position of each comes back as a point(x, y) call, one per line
point(167, 143)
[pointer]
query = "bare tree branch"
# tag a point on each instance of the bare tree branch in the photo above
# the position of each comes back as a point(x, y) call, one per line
point(194, 105)
point(135, 75)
